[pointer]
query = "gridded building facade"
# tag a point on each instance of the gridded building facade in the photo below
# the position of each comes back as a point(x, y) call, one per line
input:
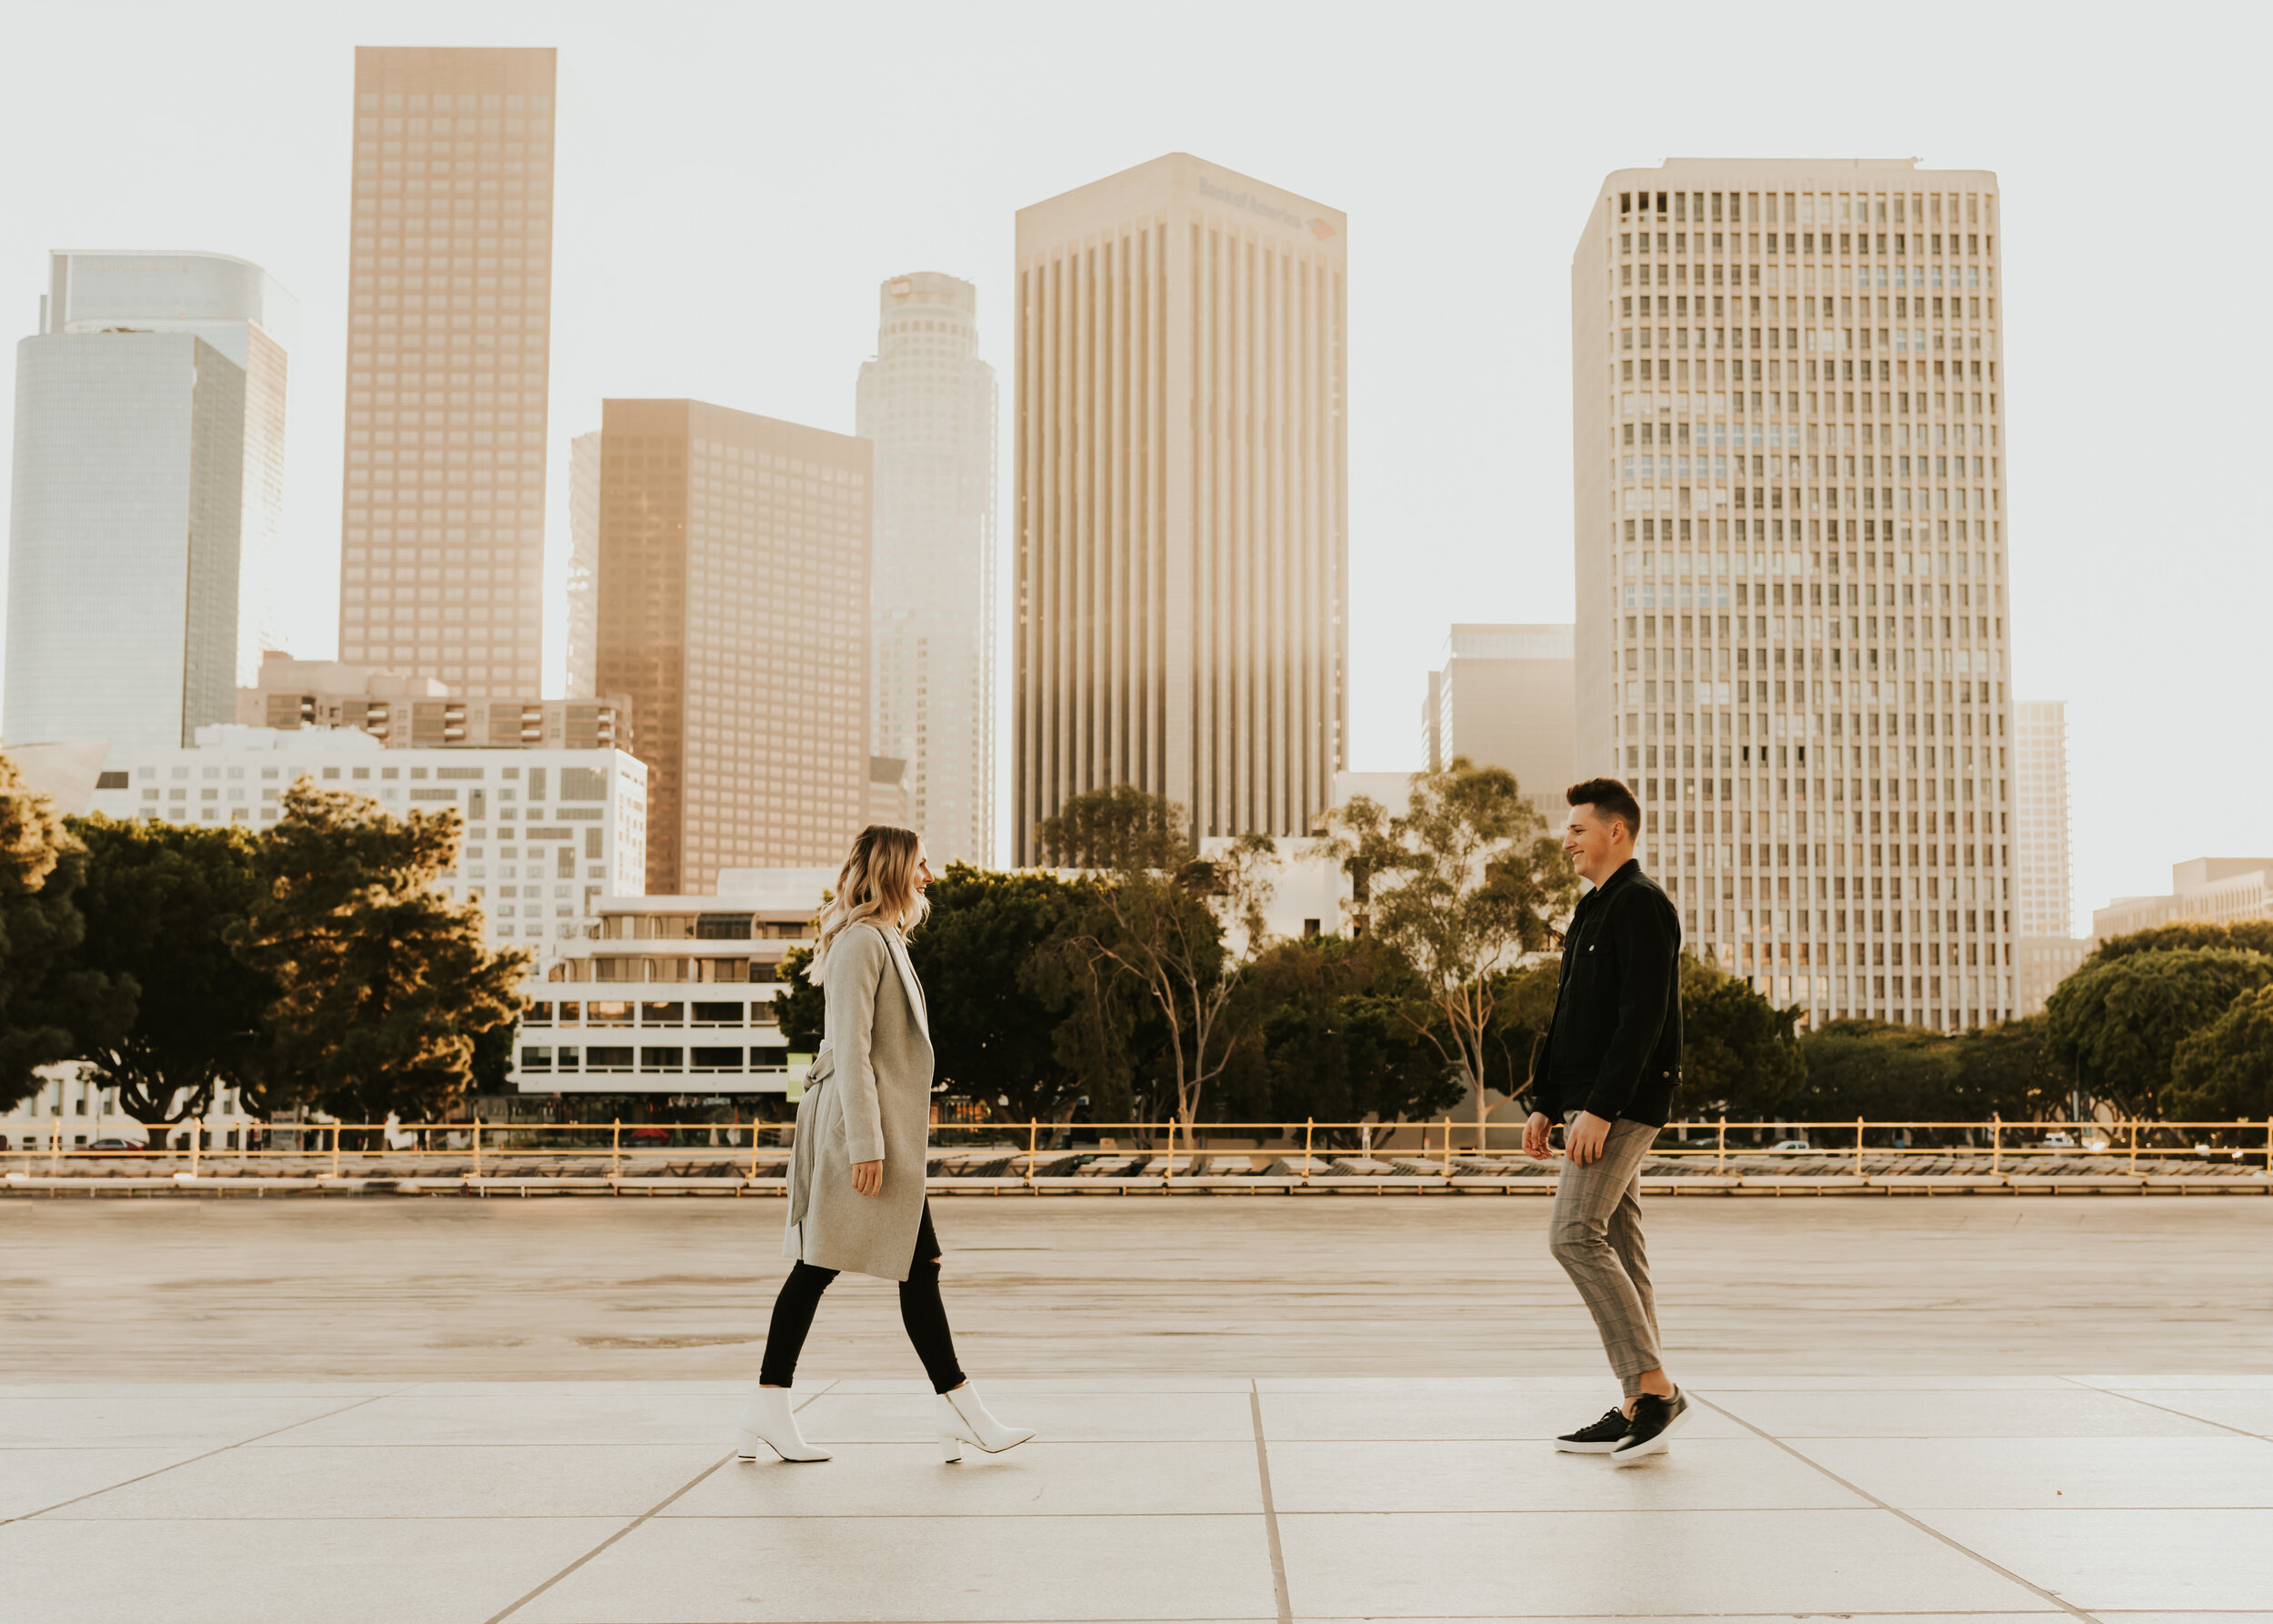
point(449, 336)
point(2046, 904)
point(1791, 536)
point(733, 612)
point(929, 403)
point(1181, 499)
point(1502, 698)
point(583, 561)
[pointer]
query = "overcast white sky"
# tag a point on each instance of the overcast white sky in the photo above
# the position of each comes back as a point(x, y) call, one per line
point(734, 181)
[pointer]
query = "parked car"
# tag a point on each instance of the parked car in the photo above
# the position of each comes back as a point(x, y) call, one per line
point(1791, 1145)
point(117, 1147)
point(2057, 1140)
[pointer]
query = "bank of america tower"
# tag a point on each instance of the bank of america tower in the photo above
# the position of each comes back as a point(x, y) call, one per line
point(1791, 536)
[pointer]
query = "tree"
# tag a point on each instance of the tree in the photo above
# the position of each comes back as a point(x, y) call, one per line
point(2249, 936)
point(1159, 917)
point(2116, 1025)
point(1522, 1010)
point(2011, 1070)
point(161, 902)
point(2225, 1068)
point(42, 866)
point(1465, 883)
point(1322, 1035)
point(383, 983)
point(800, 1007)
point(994, 1019)
point(1738, 1052)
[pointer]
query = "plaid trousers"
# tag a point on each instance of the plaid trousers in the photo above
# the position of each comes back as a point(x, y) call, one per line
point(1595, 1234)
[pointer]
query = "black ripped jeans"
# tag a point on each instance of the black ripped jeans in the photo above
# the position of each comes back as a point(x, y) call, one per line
point(921, 1311)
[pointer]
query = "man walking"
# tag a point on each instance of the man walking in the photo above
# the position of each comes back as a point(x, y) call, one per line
point(1606, 1069)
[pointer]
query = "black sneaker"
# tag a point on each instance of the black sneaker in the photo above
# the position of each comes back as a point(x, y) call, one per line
point(1655, 1422)
point(1599, 1439)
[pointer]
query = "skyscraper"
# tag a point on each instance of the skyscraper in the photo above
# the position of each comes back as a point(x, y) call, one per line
point(2046, 902)
point(927, 402)
point(1181, 475)
point(584, 561)
point(734, 611)
point(1504, 699)
point(449, 335)
point(240, 310)
point(1790, 544)
point(149, 440)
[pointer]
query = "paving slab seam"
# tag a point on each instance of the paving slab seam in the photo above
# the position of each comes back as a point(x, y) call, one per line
point(1924, 1528)
point(194, 1459)
point(636, 1523)
point(1270, 1508)
point(2181, 1414)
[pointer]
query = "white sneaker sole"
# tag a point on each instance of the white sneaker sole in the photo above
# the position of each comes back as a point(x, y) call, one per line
point(1624, 1456)
point(1568, 1449)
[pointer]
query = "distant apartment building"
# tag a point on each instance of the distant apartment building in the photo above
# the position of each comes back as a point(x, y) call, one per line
point(1504, 699)
point(548, 832)
point(734, 604)
point(2216, 890)
point(584, 562)
point(672, 995)
point(450, 339)
point(1181, 520)
point(888, 798)
point(1791, 541)
point(403, 711)
point(927, 402)
point(148, 491)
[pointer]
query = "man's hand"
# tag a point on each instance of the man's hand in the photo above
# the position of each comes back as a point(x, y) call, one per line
point(1538, 1142)
point(1586, 1138)
point(868, 1178)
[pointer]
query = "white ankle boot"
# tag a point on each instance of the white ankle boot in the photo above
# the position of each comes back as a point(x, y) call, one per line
point(768, 1421)
point(964, 1420)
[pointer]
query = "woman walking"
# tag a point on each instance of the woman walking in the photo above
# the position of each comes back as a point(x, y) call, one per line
point(857, 1172)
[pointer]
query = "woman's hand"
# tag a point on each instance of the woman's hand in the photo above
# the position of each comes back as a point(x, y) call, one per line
point(868, 1178)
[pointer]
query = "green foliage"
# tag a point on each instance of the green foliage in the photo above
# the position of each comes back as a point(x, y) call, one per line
point(161, 902)
point(42, 865)
point(1156, 915)
point(1322, 1036)
point(2225, 1070)
point(994, 1019)
point(2011, 1070)
point(1738, 1054)
point(2116, 1024)
point(1464, 884)
point(2246, 936)
point(383, 983)
point(1873, 1069)
point(1523, 1006)
point(799, 1006)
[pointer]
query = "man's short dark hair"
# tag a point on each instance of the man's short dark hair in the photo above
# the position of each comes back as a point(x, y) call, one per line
point(1611, 800)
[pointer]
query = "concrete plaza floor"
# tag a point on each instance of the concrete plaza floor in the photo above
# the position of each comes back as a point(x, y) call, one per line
point(2130, 1499)
point(1264, 1410)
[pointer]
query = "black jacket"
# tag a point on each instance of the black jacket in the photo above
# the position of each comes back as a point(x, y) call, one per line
point(1613, 1046)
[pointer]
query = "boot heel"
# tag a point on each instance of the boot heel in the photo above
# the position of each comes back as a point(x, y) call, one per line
point(951, 1450)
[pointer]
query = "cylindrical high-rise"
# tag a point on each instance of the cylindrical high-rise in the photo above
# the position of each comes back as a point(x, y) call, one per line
point(1791, 535)
point(1182, 496)
point(929, 403)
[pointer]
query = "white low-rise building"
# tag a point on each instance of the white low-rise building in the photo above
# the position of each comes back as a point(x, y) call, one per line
point(548, 832)
point(2215, 890)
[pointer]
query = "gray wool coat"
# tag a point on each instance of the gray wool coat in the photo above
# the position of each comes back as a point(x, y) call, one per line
point(866, 1099)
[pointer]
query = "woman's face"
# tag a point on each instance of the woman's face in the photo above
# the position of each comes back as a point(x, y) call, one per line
point(923, 870)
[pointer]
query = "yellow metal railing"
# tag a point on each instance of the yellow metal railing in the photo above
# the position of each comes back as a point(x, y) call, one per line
point(336, 1149)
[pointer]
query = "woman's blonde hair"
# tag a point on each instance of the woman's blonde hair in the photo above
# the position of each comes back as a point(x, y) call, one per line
point(877, 886)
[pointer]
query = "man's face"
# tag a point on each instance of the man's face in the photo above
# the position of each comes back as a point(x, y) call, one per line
point(1595, 845)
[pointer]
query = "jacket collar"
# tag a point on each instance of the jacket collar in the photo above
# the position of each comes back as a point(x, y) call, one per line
point(1626, 873)
point(906, 967)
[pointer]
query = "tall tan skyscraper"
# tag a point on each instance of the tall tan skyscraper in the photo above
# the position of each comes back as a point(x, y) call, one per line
point(2046, 901)
point(929, 403)
point(1181, 475)
point(733, 609)
point(449, 333)
point(1790, 544)
point(583, 561)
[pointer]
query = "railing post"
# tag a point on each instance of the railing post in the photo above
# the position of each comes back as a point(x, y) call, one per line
point(197, 1145)
point(616, 1152)
point(1448, 1143)
point(1168, 1167)
point(1308, 1124)
point(619, 1128)
point(2133, 1164)
point(335, 1150)
point(1032, 1130)
point(54, 1137)
point(1721, 1147)
point(478, 1147)
point(1859, 1146)
point(2268, 1145)
point(1997, 1142)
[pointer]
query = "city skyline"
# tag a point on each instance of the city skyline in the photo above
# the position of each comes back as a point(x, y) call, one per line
point(1510, 438)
